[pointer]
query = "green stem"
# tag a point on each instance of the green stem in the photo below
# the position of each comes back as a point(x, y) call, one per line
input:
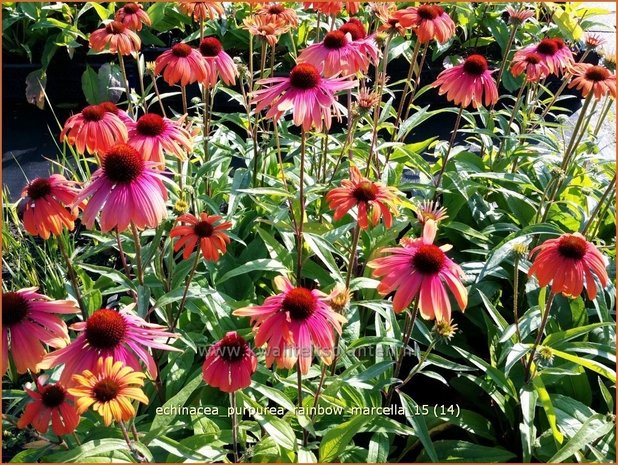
point(73, 278)
point(126, 83)
point(539, 335)
point(234, 425)
point(351, 260)
point(299, 231)
point(597, 209)
point(448, 152)
point(516, 296)
point(186, 290)
point(138, 255)
point(422, 360)
point(299, 383)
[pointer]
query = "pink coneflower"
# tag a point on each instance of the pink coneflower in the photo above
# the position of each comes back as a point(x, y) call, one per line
point(310, 97)
point(279, 12)
point(268, 28)
point(181, 64)
point(593, 41)
point(596, 79)
point(115, 37)
point(202, 11)
point(519, 16)
point(291, 322)
point(218, 63)
point(133, 16)
point(29, 319)
point(421, 270)
point(153, 136)
point(229, 364)
point(373, 199)
point(429, 210)
point(429, 22)
point(45, 206)
point(335, 55)
point(51, 404)
point(204, 232)
point(532, 64)
point(108, 333)
point(469, 82)
point(110, 107)
point(569, 263)
point(94, 130)
point(554, 52)
point(333, 8)
point(126, 189)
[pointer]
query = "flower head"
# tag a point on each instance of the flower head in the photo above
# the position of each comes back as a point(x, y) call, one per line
point(468, 83)
point(429, 22)
point(133, 16)
point(203, 232)
point(277, 12)
point(94, 129)
point(268, 28)
point(430, 210)
point(532, 64)
point(29, 320)
point(593, 41)
point(609, 59)
point(553, 52)
point(153, 136)
point(291, 323)
point(111, 107)
point(201, 11)
point(596, 79)
point(340, 298)
point(115, 37)
point(229, 363)
point(50, 404)
point(373, 199)
point(110, 387)
point(385, 12)
point(569, 263)
point(181, 64)
point(421, 270)
point(310, 96)
point(126, 190)
point(46, 201)
point(109, 333)
point(519, 16)
point(445, 330)
point(218, 63)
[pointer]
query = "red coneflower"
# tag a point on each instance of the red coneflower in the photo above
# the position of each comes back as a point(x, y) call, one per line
point(229, 364)
point(532, 64)
point(110, 388)
point(181, 64)
point(429, 22)
point(115, 37)
point(336, 55)
point(153, 136)
point(291, 322)
point(310, 97)
point(201, 11)
point(46, 201)
point(108, 333)
point(279, 12)
point(469, 82)
point(218, 63)
point(126, 189)
point(29, 318)
point(204, 232)
point(133, 16)
point(373, 199)
point(569, 263)
point(51, 404)
point(554, 53)
point(93, 129)
point(268, 28)
point(421, 270)
point(596, 79)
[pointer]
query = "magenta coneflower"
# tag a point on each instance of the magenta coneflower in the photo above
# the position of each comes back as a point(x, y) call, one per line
point(126, 189)
point(111, 107)
point(310, 97)
point(218, 63)
point(569, 262)
point(153, 136)
point(108, 333)
point(291, 323)
point(115, 37)
point(29, 318)
point(421, 270)
point(51, 405)
point(229, 363)
point(181, 64)
point(93, 129)
point(336, 55)
point(366, 44)
point(429, 22)
point(596, 79)
point(469, 82)
point(554, 53)
point(45, 206)
point(532, 64)
point(133, 16)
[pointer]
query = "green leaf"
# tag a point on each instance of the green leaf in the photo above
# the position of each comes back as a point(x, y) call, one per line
point(336, 439)
point(379, 446)
point(419, 425)
point(590, 431)
point(527, 399)
point(539, 386)
point(179, 400)
point(100, 448)
point(261, 264)
point(468, 232)
point(564, 336)
point(592, 365)
point(90, 86)
point(100, 9)
point(278, 429)
point(463, 451)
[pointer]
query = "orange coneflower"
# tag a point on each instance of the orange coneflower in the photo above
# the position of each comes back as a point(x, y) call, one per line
point(201, 11)
point(429, 22)
point(115, 37)
point(181, 64)
point(532, 64)
point(203, 232)
point(133, 16)
point(596, 79)
point(279, 12)
point(110, 390)
point(268, 28)
point(218, 62)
